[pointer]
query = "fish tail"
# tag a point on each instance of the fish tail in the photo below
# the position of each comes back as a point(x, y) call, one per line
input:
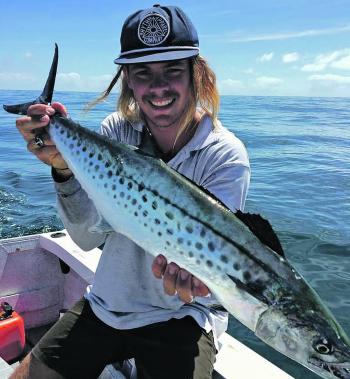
point(46, 95)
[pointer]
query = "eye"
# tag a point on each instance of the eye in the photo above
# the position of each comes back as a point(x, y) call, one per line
point(323, 346)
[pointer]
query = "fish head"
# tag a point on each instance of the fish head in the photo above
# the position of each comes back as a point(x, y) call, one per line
point(309, 335)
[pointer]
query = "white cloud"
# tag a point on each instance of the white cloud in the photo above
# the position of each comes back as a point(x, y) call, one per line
point(265, 57)
point(268, 81)
point(330, 78)
point(28, 55)
point(248, 71)
point(290, 57)
point(338, 59)
point(289, 35)
point(71, 77)
point(230, 86)
point(343, 63)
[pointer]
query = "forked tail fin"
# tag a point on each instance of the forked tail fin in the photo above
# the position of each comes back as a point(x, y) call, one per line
point(46, 95)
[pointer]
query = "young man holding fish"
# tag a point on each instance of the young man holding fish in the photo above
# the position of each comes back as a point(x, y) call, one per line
point(128, 312)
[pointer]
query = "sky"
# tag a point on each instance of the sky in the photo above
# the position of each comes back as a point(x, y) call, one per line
point(255, 47)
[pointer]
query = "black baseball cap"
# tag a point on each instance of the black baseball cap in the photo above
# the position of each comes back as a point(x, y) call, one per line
point(160, 33)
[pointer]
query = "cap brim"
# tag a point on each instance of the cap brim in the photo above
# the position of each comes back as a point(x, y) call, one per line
point(157, 56)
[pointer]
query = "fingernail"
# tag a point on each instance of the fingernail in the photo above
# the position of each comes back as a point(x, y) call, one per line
point(159, 260)
point(172, 270)
point(184, 275)
point(196, 282)
point(44, 118)
point(50, 111)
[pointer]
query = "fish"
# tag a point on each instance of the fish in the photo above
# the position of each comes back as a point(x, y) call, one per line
point(237, 255)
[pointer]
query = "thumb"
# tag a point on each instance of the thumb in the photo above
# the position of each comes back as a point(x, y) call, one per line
point(60, 108)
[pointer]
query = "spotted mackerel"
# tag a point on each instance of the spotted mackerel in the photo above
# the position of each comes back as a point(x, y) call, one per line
point(238, 256)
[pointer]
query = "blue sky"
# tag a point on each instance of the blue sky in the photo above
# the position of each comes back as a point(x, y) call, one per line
point(256, 47)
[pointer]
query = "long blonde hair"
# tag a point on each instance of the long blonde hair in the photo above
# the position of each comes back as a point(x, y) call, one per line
point(204, 94)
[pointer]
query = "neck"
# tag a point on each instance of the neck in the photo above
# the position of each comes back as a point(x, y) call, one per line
point(166, 137)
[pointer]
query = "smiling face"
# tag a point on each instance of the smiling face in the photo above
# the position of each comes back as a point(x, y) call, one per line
point(161, 90)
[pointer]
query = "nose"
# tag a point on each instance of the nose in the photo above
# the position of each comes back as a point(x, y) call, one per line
point(159, 81)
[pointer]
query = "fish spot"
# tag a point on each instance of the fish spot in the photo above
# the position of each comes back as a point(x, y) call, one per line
point(144, 198)
point(209, 263)
point(100, 176)
point(91, 163)
point(136, 214)
point(84, 148)
point(190, 254)
point(141, 187)
point(189, 229)
point(236, 266)
point(145, 213)
point(121, 181)
point(109, 173)
point(114, 187)
point(202, 234)
point(97, 167)
point(201, 256)
point(108, 164)
point(105, 185)
point(169, 215)
point(114, 196)
point(168, 243)
point(247, 276)
point(99, 157)
point(156, 221)
point(189, 243)
point(199, 246)
point(224, 258)
point(198, 262)
point(129, 185)
point(145, 224)
point(180, 240)
point(122, 194)
point(211, 246)
point(155, 192)
point(170, 231)
point(159, 234)
point(71, 146)
point(133, 201)
point(154, 205)
point(62, 131)
point(218, 268)
point(91, 154)
point(181, 252)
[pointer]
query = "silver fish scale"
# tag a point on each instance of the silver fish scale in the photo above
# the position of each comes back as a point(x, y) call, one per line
point(162, 219)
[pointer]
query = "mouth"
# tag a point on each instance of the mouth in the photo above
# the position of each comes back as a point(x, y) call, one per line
point(338, 370)
point(162, 103)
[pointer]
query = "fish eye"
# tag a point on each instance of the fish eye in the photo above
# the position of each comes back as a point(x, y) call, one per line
point(323, 346)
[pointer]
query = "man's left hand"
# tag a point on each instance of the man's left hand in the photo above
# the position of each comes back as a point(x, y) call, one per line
point(177, 280)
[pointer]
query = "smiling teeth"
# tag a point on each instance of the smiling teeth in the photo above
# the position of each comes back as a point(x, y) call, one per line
point(161, 103)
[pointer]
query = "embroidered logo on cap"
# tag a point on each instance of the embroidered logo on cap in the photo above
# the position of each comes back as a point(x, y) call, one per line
point(153, 29)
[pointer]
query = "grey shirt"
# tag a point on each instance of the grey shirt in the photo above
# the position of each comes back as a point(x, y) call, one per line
point(125, 294)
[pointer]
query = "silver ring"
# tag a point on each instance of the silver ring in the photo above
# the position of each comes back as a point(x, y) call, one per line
point(39, 140)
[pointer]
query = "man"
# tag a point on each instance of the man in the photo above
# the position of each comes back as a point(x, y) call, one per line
point(169, 326)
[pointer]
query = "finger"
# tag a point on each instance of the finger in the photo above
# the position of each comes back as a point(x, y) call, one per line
point(184, 286)
point(158, 266)
point(40, 109)
point(27, 126)
point(170, 277)
point(32, 145)
point(199, 288)
point(60, 108)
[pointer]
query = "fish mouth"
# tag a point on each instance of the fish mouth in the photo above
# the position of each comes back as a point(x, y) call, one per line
point(338, 370)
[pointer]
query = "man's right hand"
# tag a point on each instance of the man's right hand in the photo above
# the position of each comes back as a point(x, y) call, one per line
point(30, 126)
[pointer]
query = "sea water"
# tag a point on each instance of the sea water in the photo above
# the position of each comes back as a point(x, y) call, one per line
point(299, 151)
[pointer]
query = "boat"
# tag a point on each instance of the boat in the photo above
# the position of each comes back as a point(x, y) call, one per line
point(43, 275)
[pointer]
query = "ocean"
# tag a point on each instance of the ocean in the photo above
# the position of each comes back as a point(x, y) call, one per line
point(299, 151)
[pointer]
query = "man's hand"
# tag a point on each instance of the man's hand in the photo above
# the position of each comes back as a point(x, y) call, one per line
point(38, 117)
point(177, 280)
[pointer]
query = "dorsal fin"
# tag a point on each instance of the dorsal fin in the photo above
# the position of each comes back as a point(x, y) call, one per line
point(262, 229)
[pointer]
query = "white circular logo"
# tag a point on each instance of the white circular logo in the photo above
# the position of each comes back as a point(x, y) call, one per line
point(153, 29)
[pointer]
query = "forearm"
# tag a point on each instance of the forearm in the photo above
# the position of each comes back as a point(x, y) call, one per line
point(78, 214)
